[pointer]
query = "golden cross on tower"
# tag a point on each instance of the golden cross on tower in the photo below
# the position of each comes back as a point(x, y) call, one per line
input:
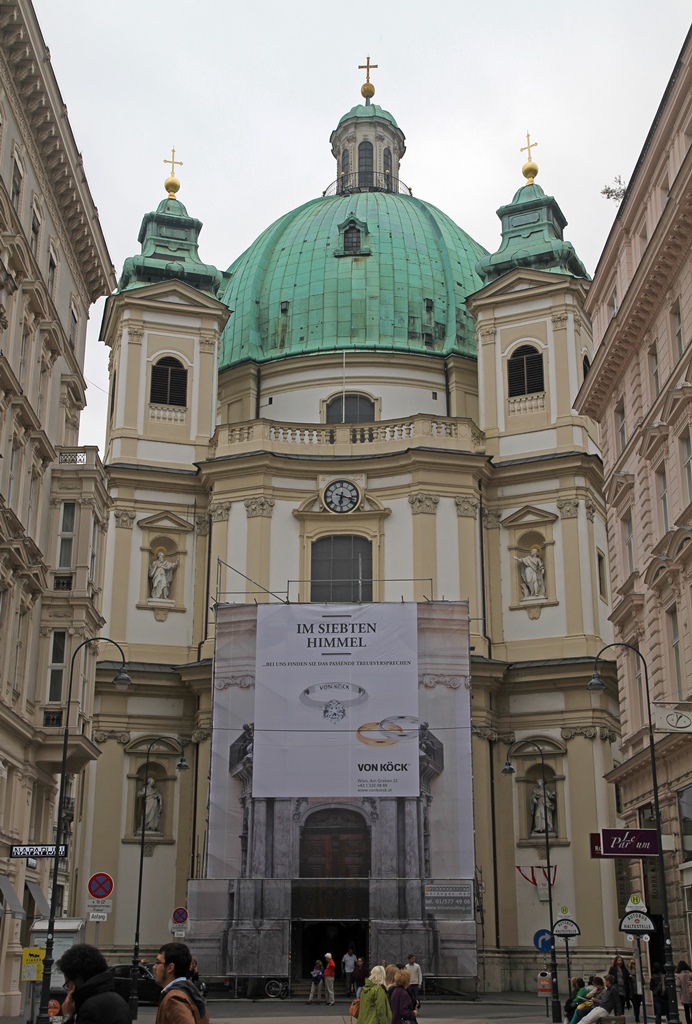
point(173, 162)
point(367, 68)
point(527, 147)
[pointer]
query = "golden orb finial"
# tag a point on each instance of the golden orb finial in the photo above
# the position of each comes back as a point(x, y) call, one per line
point(530, 168)
point(171, 184)
point(367, 90)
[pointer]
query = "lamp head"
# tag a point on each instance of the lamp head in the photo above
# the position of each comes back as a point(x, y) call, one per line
point(182, 765)
point(122, 681)
point(508, 769)
point(596, 684)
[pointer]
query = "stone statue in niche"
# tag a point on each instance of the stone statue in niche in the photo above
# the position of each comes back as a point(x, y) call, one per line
point(161, 575)
point(542, 809)
point(153, 805)
point(532, 571)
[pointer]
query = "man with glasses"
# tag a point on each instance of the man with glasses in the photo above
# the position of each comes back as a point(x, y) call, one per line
point(180, 1002)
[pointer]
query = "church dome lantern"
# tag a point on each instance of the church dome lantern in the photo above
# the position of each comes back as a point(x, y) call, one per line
point(367, 145)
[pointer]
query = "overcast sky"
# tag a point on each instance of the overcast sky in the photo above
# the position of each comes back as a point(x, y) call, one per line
point(249, 93)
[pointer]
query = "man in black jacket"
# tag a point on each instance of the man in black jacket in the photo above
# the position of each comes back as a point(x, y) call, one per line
point(91, 987)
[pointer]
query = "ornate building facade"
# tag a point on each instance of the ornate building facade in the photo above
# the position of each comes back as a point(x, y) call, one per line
point(53, 498)
point(639, 388)
point(367, 406)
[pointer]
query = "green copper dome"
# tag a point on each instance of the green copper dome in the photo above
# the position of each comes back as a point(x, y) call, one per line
point(369, 110)
point(371, 270)
point(169, 240)
point(532, 236)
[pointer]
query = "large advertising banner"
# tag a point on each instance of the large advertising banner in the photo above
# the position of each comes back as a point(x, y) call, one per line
point(336, 701)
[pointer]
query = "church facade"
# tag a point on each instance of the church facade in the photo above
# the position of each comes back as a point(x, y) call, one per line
point(367, 407)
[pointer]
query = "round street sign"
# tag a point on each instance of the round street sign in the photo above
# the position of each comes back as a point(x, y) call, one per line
point(100, 886)
point(636, 921)
point(541, 940)
point(179, 915)
point(565, 927)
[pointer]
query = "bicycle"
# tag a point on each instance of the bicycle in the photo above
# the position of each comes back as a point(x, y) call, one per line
point(277, 988)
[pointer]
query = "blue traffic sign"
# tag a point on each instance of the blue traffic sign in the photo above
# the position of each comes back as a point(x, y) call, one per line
point(541, 940)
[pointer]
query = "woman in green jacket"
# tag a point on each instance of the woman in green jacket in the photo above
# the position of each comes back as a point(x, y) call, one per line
point(374, 1005)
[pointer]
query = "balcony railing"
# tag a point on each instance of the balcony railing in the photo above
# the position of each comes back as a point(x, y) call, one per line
point(373, 181)
point(523, 404)
point(350, 438)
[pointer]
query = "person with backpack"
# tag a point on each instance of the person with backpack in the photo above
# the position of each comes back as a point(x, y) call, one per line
point(657, 984)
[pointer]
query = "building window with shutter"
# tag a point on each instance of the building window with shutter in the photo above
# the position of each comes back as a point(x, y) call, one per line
point(525, 372)
point(168, 382)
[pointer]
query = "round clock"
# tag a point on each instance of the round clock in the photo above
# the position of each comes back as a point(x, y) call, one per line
point(341, 496)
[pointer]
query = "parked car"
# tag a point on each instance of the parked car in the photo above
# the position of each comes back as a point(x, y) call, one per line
point(147, 989)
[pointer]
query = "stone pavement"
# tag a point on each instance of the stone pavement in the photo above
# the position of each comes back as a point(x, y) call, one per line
point(491, 1008)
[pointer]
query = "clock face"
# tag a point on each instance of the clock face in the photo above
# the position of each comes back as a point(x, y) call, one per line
point(341, 496)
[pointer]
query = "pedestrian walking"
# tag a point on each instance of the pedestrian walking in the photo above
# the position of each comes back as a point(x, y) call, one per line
point(180, 1001)
point(91, 995)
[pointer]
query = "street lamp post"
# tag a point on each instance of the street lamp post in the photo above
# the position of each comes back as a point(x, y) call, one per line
point(181, 766)
point(597, 685)
point(556, 1007)
point(122, 681)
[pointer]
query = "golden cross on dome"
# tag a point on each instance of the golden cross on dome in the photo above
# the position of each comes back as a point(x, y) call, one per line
point(527, 147)
point(173, 162)
point(367, 68)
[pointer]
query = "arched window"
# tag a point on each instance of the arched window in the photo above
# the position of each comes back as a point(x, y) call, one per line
point(525, 372)
point(345, 167)
point(168, 382)
point(586, 366)
point(388, 169)
point(365, 165)
point(350, 409)
point(341, 569)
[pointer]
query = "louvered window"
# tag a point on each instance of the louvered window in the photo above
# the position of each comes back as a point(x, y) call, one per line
point(168, 382)
point(525, 372)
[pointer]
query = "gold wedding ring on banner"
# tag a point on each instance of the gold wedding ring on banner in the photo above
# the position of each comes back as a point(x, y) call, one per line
point(333, 699)
point(388, 731)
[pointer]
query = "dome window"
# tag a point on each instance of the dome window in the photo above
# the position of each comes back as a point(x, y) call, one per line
point(168, 383)
point(351, 235)
point(525, 372)
point(365, 165)
point(350, 408)
point(352, 239)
